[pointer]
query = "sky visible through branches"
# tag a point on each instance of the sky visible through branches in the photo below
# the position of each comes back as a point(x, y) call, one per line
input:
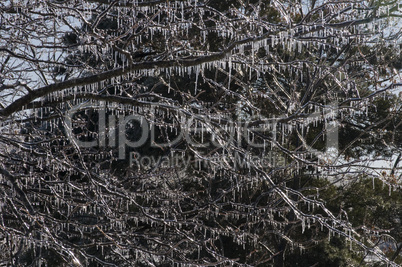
point(197, 132)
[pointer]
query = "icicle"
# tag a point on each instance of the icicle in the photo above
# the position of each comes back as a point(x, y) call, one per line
point(202, 133)
point(197, 70)
point(252, 53)
point(303, 225)
point(230, 70)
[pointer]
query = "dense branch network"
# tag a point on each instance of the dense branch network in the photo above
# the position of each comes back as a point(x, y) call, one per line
point(241, 104)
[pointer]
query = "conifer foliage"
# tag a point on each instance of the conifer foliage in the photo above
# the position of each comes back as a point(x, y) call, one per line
point(197, 132)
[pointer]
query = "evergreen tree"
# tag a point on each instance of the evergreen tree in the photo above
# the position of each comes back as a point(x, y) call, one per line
point(158, 133)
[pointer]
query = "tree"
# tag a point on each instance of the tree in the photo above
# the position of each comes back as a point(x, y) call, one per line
point(192, 132)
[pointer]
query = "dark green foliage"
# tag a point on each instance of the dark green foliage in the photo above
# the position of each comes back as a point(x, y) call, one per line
point(243, 72)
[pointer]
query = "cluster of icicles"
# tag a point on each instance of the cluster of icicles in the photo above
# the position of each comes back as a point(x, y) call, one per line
point(176, 13)
point(158, 216)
